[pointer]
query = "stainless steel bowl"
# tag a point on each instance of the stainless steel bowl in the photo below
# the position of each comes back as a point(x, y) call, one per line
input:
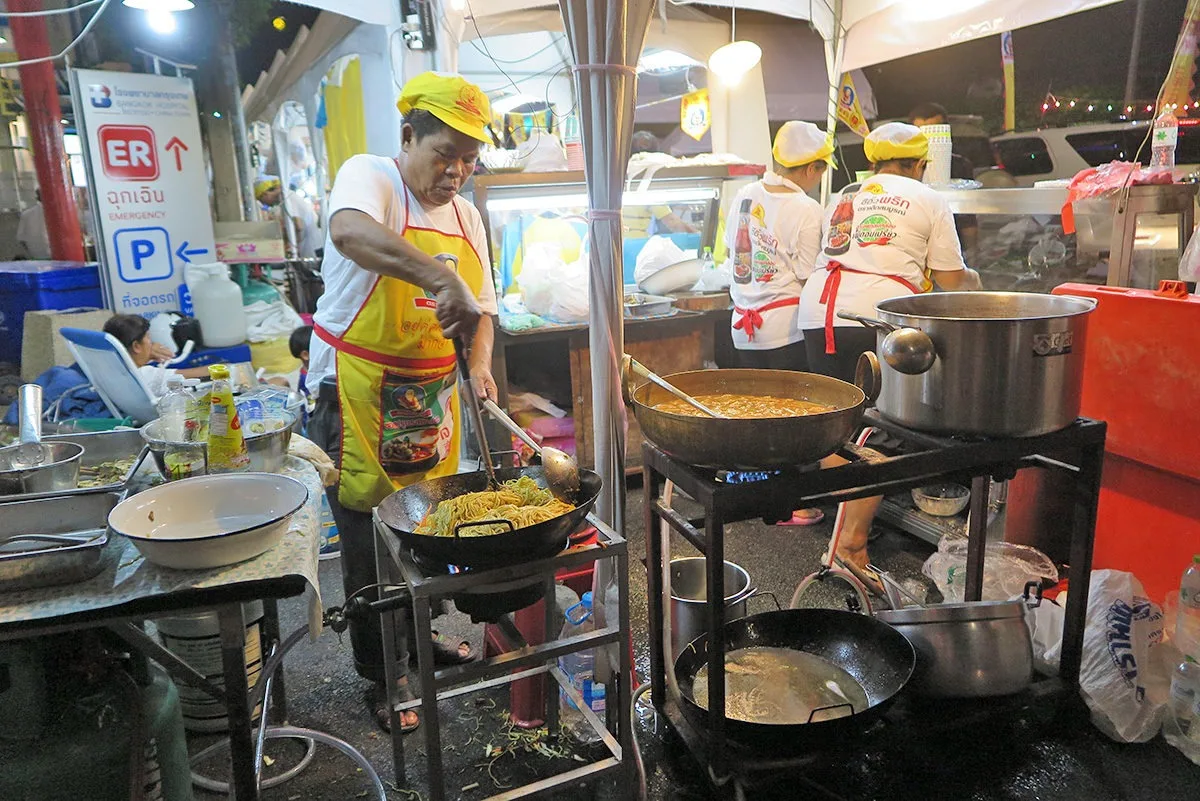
point(942, 500)
point(268, 451)
point(58, 471)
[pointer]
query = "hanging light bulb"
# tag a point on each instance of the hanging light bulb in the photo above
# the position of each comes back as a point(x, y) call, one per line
point(160, 21)
point(730, 62)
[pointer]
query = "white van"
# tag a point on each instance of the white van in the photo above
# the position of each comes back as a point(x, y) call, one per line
point(1061, 153)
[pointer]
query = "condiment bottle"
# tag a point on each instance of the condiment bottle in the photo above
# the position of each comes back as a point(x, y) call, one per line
point(226, 446)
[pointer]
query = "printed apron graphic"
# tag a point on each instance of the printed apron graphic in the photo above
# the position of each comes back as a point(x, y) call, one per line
point(877, 229)
point(417, 423)
point(837, 241)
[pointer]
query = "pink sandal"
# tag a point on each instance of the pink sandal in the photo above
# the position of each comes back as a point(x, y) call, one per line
point(799, 519)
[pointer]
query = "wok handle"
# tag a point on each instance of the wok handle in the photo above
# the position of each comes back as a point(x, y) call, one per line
point(830, 708)
point(755, 593)
point(868, 377)
point(869, 322)
point(477, 523)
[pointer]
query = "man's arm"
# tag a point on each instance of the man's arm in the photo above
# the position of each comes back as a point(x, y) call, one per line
point(374, 247)
point(480, 361)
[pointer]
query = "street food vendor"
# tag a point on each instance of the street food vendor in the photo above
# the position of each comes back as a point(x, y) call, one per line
point(291, 207)
point(641, 221)
point(772, 249)
point(893, 236)
point(406, 271)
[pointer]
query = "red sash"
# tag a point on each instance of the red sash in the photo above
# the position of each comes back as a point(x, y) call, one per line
point(830, 292)
point(751, 319)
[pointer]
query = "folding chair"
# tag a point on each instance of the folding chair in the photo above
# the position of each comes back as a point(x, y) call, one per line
point(112, 372)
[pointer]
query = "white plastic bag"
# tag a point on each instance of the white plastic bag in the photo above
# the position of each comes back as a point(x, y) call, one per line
point(267, 321)
point(542, 152)
point(1007, 567)
point(1125, 677)
point(714, 277)
point(657, 253)
point(550, 287)
point(1189, 265)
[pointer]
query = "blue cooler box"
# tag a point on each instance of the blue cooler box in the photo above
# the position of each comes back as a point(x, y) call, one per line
point(40, 286)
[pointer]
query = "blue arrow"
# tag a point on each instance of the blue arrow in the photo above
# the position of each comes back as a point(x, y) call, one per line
point(184, 252)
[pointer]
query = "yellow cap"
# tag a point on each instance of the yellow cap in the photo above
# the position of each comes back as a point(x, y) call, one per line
point(896, 140)
point(799, 143)
point(218, 371)
point(452, 99)
point(265, 184)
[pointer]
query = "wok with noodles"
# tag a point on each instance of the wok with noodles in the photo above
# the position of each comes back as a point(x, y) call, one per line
point(775, 418)
point(744, 406)
point(520, 501)
point(424, 517)
point(798, 676)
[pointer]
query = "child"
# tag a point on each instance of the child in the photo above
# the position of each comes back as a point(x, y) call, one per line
point(298, 344)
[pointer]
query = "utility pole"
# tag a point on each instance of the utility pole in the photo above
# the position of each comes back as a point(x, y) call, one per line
point(229, 147)
point(1135, 49)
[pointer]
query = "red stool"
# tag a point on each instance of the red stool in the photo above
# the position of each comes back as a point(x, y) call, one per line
point(527, 697)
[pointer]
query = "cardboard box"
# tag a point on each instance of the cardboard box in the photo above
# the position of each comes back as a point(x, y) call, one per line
point(255, 242)
point(42, 347)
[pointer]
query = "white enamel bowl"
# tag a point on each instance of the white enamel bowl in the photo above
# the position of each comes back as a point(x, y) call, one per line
point(209, 521)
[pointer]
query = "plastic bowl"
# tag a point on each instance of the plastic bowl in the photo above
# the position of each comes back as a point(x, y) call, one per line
point(268, 451)
point(209, 521)
point(942, 500)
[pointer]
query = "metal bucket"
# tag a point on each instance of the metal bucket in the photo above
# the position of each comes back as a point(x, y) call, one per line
point(689, 598)
point(196, 639)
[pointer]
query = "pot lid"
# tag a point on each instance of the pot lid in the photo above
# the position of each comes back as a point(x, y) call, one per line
point(952, 613)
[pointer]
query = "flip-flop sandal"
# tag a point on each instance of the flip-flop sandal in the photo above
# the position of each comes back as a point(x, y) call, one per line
point(447, 655)
point(797, 520)
point(377, 702)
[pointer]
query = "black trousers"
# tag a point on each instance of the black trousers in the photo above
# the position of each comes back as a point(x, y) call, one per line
point(792, 357)
point(357, 536)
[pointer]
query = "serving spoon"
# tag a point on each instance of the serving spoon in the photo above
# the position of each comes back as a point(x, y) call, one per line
point(632, 365)
point(562, 471)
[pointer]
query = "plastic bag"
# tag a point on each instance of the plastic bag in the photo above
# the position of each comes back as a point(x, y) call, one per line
point(552, 288)
point(1108, 179)
point(267, 321)
point(542, 152)
point(1125, 676)
point(714, 277)
point(657, 253)
point(1189, 265)
point(1007, 567)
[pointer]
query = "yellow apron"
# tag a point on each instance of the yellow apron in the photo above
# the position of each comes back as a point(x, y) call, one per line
point(396, 379)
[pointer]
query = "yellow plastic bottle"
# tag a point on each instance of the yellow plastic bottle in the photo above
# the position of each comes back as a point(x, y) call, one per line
point(226, 446)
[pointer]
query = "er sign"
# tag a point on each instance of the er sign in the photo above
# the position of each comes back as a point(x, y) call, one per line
point(128, 152)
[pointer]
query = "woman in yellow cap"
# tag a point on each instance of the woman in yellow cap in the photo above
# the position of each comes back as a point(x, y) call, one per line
point(405, 272)
point(778, 227)
point(893, 235)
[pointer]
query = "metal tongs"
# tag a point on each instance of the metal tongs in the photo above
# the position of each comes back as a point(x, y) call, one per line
point(471, 401)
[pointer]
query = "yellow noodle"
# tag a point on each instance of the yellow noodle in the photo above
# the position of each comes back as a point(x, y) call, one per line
point(520, 501)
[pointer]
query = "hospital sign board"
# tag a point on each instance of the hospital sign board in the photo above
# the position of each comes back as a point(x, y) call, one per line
point(146, 174)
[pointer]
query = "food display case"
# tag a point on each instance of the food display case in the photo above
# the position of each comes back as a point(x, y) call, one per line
point(553, 359)
point(1020, 244)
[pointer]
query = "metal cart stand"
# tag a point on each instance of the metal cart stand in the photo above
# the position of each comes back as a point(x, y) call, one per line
point(398, 573)
point(1078, 450)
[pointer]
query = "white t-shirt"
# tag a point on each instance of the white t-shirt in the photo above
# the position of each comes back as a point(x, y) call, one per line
point(372, 185)
point(304, 217)
point(892, 225)
point(785, 236)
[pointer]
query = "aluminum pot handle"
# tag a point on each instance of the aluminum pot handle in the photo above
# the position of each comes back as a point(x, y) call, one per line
point(868, 377)
point(869, 322)
point(757, 593)
point(1034, 587)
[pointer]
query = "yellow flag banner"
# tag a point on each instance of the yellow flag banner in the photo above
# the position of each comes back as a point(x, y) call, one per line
point(1010, 84)
point(695, 115)
point(1177, 89)
point(849, 110)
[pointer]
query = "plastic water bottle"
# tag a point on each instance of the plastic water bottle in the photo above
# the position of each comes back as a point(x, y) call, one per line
point(1163, 141)
point(580, 668)
point(173, 408)
point(1183, 731)
point(1187, 622)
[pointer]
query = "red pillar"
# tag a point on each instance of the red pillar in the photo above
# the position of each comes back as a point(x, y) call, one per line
point(42, 113)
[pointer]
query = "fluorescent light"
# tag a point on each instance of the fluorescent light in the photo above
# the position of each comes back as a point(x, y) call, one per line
point(160, 21)
point(653, 196)
point(160, 5)
point(72, 145)
point(730, 62)
point(506, 104)
point(665, 60)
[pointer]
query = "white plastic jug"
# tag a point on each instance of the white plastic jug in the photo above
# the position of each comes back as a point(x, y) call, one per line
point(217, 301)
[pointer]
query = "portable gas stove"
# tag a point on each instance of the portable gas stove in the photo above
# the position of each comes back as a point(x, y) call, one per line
point(926, 459)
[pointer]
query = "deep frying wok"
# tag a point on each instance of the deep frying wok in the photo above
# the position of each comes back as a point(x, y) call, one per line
point(403, 510)
point(880, 658)
point(751, 444)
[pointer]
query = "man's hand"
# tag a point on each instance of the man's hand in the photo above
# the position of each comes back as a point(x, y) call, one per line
point(458, 311)
point(485, 385)
point(161, 353)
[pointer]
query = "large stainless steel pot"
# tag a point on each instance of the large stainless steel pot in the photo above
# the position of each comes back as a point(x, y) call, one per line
point(689, 598)
point(751, 444)
point(977, 649)
point(1008, 364)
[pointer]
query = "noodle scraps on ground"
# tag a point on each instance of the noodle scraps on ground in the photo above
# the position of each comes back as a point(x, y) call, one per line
point(520, 501)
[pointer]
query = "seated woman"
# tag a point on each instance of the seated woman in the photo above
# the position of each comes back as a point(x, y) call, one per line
point(133, 332)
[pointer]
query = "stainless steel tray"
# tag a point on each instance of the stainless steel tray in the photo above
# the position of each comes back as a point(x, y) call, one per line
point(641, 305)
point(98, 447)
point(27, 564)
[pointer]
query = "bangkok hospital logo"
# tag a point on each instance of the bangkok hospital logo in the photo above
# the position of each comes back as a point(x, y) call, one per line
point(100, 95)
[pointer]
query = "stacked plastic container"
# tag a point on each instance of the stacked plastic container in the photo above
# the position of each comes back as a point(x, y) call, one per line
point(937, 173)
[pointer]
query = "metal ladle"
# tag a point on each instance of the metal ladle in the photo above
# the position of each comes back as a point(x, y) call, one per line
point(905, 350)
point(632, 365)
point(562, 471)
point(471, 401)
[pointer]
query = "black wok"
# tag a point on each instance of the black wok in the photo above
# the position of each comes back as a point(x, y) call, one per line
point(403, 510)
point(752, 444)
point(880, 658)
